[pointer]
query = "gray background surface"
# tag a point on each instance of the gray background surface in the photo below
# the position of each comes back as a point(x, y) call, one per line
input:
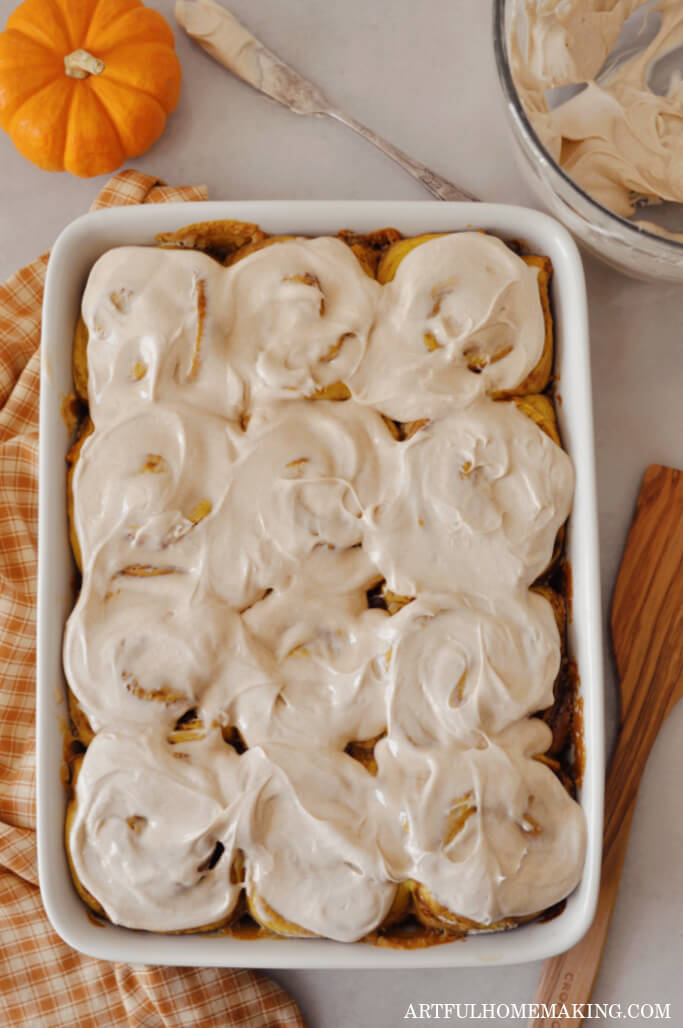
point(423, 75)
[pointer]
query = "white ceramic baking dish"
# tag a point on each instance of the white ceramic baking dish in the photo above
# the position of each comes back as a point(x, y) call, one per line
point(72, 257)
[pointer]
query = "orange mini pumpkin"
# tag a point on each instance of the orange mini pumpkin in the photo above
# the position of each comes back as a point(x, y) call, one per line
point(86, 84)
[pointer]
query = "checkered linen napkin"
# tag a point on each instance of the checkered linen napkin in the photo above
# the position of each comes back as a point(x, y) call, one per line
point(44, 983)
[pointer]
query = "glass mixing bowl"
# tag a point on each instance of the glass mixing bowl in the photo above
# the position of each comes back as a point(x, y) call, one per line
point(614, 239)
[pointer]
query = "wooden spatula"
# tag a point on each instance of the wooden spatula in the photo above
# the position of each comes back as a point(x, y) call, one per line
point(647, 633)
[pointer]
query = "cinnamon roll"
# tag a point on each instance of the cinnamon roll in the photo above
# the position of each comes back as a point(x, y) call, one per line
point(460, 316)
point(475, 506)
point(156, 324)
point(303, 309)
point(490, 833)
point(151, 832)
point(466, 666)
point(313, 861)
point(308, 480)
point(331, 654)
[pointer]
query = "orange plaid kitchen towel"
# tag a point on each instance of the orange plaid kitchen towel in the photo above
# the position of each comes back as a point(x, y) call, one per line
point(44, 983)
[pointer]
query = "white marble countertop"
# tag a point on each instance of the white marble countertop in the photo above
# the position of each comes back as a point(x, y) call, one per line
point(423, 75)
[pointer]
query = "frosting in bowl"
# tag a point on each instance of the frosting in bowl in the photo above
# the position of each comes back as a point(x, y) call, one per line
point(621, 141)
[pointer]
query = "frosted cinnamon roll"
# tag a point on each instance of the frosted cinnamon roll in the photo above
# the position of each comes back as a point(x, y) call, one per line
point(310, 476)
point(312, 859)
point(150, 831)
point(302, 312)
point(143, 485)
point(489, 832)
point(460, 315)
point(147, 652)
point(476, 505)
point(331, 654)
point(466, 665)
point(157, 322)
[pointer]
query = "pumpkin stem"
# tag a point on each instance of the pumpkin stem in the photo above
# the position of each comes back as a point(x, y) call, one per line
point(80, 64)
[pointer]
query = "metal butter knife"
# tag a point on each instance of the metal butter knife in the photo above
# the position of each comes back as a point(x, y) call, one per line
point(232, 45)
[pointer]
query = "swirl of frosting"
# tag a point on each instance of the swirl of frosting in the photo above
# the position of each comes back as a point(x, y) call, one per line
point(147, 652)
point(489, 832)
point(476, 506)
point(461, 317)
point(569, 41)
point(467, 665)
point(308, 479)
point(157, 322)
point(142, 486)
point(331, 655)
point(311, 849)
point(302, 312)
point(623, 142)
point(151, 836)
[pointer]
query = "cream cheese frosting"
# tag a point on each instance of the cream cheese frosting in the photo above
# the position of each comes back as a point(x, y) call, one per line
point(475, 506)
point(144, 835)
point(339, 886)
point(231, 528)
point(302, 313)
point(617, 138)
point(468, 665)
point(460, 319)
point(485, 827)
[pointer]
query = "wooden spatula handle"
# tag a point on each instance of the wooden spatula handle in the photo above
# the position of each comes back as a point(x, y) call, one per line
point(647, 632)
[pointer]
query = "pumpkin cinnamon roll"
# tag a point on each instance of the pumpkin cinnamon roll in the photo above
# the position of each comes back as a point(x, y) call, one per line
point(331, 654)
point(462, 666)
point(146, 488)
point(302, 311)
point(313, 861)
point(475, 506)
point(150, 832)
point(147, 653)
point(156, 322)
point(490, 834)
point(460, 316)
point(307, 481)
